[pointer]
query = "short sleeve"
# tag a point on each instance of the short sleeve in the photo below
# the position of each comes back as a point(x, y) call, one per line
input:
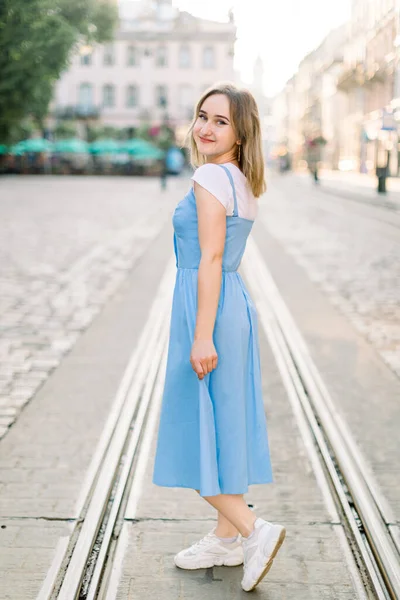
point(215, 180)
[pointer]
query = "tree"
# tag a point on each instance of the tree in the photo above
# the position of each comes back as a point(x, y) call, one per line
point(37, 39)
point(166, 137)
point(65, 129)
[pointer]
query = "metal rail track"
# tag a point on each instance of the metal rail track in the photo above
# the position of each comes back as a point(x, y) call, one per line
point(368, 516)
point(80, 559)
point(113, 486)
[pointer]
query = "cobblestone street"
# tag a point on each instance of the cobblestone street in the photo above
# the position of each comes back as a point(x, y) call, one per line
point(61, 258)
point(347, 251)
point(162, 439)
point(64, 250)
point(82, 262)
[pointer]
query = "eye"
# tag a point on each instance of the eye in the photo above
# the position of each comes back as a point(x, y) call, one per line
point(202, 116)
point(222, 122)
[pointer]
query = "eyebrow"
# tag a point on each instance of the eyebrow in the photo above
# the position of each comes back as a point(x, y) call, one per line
point(221, 116)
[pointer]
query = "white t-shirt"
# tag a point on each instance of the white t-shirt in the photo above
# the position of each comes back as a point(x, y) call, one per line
point(215, 180)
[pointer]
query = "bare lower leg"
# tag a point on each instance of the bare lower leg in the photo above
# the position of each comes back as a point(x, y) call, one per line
point(225, 529)
point(236, 513)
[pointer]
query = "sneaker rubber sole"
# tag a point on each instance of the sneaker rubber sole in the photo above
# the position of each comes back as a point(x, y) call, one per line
point(208, 561)
point(270, 560)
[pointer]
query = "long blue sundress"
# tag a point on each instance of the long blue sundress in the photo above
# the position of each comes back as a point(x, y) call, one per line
point(212, 433)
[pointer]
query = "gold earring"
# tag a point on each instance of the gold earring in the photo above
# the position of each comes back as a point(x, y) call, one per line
point(239, 153)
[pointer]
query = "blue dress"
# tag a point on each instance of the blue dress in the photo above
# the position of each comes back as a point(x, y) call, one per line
point(212, 433)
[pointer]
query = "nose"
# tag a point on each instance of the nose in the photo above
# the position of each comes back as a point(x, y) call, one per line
point(205, 130)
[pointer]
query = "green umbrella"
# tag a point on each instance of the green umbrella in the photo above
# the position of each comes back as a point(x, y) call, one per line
point(71, 145)
point(148, 154)
point(106, 146)
point(3, 149)
point(32, 145)
point(136, 146)
point(16, 149)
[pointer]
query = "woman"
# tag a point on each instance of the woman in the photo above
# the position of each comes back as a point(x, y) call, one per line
point(212, 435)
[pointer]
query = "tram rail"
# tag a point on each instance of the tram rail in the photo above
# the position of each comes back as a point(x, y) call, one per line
point(85, 567)
point(368, 517)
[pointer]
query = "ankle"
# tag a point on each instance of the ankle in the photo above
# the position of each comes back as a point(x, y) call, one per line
point(248, 528)
point(226, 533)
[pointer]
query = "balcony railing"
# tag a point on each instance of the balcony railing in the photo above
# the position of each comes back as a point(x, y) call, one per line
point(77, 111)
point(361, 75)
point(351, 77)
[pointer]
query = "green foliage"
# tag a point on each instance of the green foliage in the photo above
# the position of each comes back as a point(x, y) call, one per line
point(143, 131)
point(93, 133)
point(22, 130)
point(111, 132)
point(165, 138)
point(36, 41)
point(65, 129)
point(106, 132)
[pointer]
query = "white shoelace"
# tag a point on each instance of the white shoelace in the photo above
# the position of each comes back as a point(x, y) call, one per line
point(205, 541)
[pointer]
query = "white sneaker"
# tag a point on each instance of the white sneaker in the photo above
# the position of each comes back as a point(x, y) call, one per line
point(260, 551)
point(210, 551)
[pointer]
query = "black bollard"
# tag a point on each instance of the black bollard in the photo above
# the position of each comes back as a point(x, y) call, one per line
point(381, 173)
point(382, 185)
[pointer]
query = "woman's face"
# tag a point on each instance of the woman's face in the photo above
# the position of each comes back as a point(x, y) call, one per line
point(213, 130)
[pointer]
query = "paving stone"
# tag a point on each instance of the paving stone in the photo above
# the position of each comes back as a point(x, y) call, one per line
point(304, 231)
point(26, 553)
point(47, 453)
point(50, 293)
point(44, 461)
point(20, 401)
point(351, 257)
point(8, 411)
point(22, 393)
point(311, 563)
point(3, 431)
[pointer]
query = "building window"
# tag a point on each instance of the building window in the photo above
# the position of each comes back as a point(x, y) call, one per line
point(108, 96)
point(132, 96)
point(161, 57)
point(109, 55)
point(161, 96)
point(132, 57)
point(185, 99)
point(85, 95)
point(86, 59)
point(184, 57)
point(208, 57)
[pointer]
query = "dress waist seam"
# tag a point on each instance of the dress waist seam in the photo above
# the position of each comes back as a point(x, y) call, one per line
point(197, 268)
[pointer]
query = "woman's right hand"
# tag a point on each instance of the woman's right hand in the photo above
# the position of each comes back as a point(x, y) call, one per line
point(203, 357)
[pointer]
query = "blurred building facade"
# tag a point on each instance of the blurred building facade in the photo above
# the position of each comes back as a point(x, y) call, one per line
point(160, 62)
point(264, 104)
point(348, 91)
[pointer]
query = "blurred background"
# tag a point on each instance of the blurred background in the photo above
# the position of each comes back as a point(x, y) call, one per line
point(95, 100)
point(86, 77)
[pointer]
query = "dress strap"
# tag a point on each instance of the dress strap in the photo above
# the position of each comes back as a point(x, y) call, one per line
point(235, 209)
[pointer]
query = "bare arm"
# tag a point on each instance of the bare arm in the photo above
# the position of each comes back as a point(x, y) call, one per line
point(212, 230)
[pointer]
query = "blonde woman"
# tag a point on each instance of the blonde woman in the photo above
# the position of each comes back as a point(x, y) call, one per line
point(212, 435)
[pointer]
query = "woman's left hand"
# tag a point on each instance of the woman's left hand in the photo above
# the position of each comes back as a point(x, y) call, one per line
point(203, 357)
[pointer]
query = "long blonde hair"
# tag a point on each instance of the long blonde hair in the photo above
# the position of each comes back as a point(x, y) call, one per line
point(246, 124)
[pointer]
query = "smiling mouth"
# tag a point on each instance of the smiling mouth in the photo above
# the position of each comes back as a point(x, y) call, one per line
point(204, 140)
